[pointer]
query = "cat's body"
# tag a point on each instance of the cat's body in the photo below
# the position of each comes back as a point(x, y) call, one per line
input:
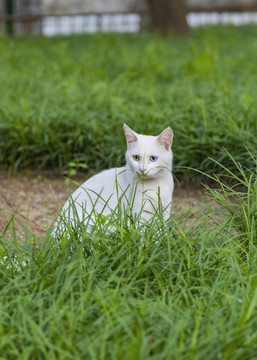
point(143, 185)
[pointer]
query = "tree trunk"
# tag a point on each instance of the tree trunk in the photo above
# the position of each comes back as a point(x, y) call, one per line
point(169, 16)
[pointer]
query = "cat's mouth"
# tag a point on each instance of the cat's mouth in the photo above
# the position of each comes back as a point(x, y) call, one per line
point(152, 173)
point(144, 175)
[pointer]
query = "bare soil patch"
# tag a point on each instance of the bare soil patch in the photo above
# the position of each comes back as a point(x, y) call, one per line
point(37, 199)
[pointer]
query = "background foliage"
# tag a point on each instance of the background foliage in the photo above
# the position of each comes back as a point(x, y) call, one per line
point(64, 99)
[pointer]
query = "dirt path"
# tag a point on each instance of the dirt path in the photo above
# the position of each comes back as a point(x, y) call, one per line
point(39, 198)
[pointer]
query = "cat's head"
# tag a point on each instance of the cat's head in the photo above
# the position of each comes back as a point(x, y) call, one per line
point(149, 156)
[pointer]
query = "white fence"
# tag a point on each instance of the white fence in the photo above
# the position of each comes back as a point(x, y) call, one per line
point(130, 23)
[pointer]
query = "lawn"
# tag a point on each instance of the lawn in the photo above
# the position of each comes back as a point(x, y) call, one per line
point(64, 98)
point(183, 290)
point(186, 290)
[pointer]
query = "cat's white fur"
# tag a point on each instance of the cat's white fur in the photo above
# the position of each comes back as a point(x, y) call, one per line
point(141, 184)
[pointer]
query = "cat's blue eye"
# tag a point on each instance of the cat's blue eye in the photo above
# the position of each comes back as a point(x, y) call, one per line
point(153, 158)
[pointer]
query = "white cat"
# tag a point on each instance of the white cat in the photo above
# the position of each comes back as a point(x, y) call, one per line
point(143, 185)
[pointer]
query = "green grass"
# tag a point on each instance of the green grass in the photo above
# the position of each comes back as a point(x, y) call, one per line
point(182, 292)
point(64, 99)
point(187, 291)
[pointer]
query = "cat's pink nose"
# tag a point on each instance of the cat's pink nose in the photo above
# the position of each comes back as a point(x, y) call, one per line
point(142, 171)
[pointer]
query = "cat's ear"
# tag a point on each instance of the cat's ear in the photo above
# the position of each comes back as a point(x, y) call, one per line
point(166, 138)
point(131, 136)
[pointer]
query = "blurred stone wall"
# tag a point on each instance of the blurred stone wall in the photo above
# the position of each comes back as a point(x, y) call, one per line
point(35, 7)
point(121, 6)
point(93, 6)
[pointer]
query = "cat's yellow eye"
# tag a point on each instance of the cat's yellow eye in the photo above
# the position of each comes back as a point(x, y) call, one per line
point(136, 157)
